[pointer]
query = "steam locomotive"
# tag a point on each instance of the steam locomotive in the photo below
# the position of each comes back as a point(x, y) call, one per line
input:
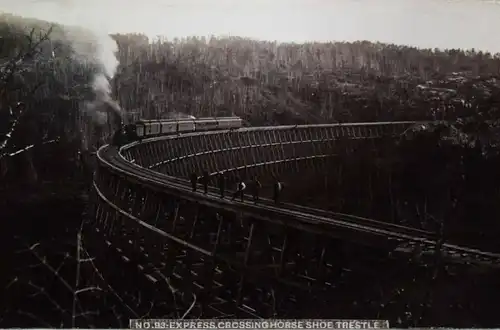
point(151, 128)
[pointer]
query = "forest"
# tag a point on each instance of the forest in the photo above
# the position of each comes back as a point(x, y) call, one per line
point(43, 133)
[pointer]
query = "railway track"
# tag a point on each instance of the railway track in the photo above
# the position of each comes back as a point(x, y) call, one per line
point(224, 302)
point(405, 239)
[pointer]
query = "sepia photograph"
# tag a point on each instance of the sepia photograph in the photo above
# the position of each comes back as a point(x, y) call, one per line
point(213, 164)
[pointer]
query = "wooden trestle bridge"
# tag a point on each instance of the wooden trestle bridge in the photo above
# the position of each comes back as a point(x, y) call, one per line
point(239, 258)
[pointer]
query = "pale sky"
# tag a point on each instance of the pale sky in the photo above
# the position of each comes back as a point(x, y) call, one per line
point(424, 23)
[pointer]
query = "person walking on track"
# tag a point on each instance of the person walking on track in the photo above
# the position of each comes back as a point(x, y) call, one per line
point(256, 189)
point(222, 184)
point(240, 190)
point(194, 181)
point(205, 181)
point(278, 188)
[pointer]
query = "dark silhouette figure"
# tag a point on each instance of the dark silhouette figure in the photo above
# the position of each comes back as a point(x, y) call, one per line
point(81, 162)
point(256, 189)
point(205, 181)
point(221, 183)
point(278, 188)
point(194, 181)
point(240, 190)
point(131, 133)
point(119, 138)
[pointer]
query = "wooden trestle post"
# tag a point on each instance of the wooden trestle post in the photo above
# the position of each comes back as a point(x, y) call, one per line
point(321, 262)
point(189, 248)
point(210, 265)
point(190, 253)
point(284, 253)
point(172, 247)
point(245, 264)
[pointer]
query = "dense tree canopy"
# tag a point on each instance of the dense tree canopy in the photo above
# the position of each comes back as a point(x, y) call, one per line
point(422, 180)
point(264, 82)
point(314, 82)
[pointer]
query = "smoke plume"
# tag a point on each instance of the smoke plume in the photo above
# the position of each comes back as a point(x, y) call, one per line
point(84, 30)
point(178, 115)
point(98, 50)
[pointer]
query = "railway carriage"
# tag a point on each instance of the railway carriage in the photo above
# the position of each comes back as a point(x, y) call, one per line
point(229, 122)
point(206, 124)
point(150, 128)
point(186, 125)
point(168, 126)
point(154, 128)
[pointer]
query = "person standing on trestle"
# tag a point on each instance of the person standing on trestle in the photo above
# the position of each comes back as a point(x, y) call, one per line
point(222, 184)
point(205, 181)
point(256, 189)
point(194, 181)
point(278, 188)
point(240, 190)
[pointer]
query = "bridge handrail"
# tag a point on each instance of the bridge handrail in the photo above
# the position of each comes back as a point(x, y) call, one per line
point(185, 182)
point(268, 128)
point(300, 208)
point(163, 181)
point(151, 178)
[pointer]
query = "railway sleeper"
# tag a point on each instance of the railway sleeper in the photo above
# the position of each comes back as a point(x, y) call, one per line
point(148, 284)
point(223, 309)
point(151, 267)
point(257, 301)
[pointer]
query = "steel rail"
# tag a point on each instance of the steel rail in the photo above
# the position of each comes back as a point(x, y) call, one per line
point(218, 257)
point(299, 208)
point(109, 156)
point(272, 128)
point(263, 201)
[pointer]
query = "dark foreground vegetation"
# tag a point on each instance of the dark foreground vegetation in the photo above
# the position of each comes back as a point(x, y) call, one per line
point(442, 178)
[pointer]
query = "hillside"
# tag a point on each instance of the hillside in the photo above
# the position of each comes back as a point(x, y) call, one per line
point(264, 81)
point(433, 183)
point(267, 83)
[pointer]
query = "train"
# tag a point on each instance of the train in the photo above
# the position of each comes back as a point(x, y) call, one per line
point(151, 128)
point(143, 129)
